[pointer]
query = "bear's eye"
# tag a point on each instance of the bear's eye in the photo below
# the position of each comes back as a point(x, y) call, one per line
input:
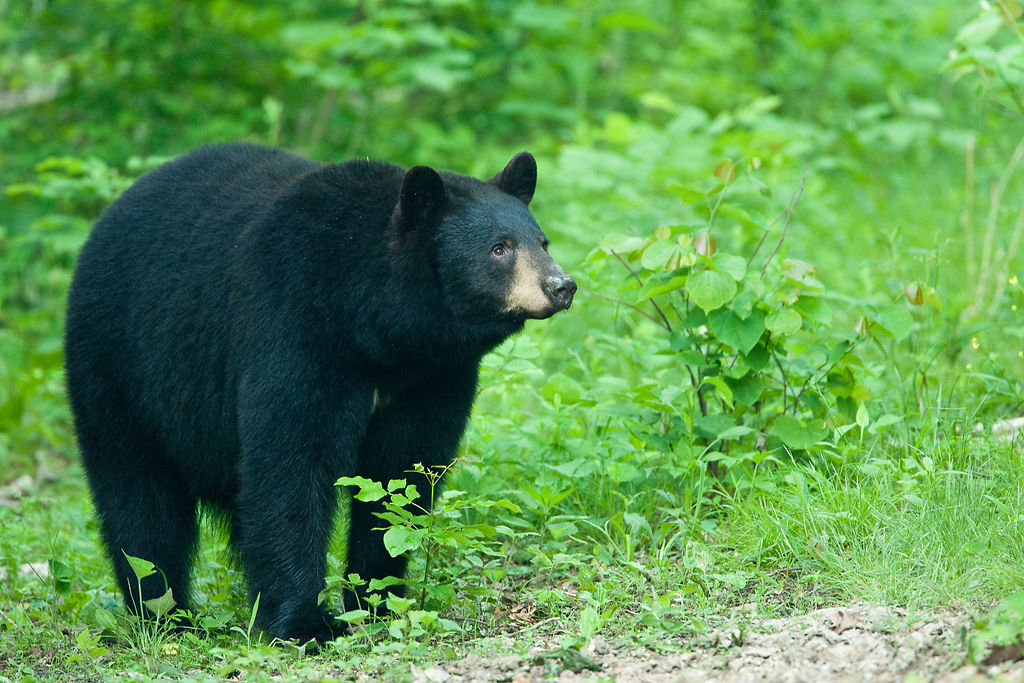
point(500, 250)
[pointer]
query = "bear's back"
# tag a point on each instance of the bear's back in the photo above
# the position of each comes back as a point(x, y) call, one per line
point(154, 284)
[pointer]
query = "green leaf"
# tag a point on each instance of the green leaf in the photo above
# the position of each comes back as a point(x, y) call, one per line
point(747, 389)
point(863, 419)
point(655, 285)
point(691, 357)
point(743, 304)
point(723, 389)
point(980, 29)
point(740, 215)
point(783, 321)
point(795, 269)
point(802, 272)
point(714, 425)
point(710, 289)
point(509, 505)
point(563, 386)
point(634, 21)
point(896, 320)
point(737, 432)
point(384, 582)
point(589, 622)
point(735, 266)
point(885, 421)
point(794, 433)
point(813, 308)
point(621, 472)
point(686, 194)
point(621, 244)
point(738, 333)
point(162, 605)
point(399, 605)
point(254, 611)
point(758, 358)
point(140, 567)
point(354, 616)
point(735, 579)
point(398, 539)
point(369, 490)
point(668, 253)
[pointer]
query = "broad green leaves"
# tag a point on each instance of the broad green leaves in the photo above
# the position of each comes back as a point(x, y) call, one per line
point(710, 289)
point(795, 433)
point(739, 333)
point(142, 568)
point(783, 321)
point(758, 365)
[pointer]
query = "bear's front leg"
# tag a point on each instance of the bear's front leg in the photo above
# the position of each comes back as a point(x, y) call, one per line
point(294, 441)
point(422, 424)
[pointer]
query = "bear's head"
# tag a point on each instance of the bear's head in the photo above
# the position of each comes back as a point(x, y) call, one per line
point(489, 254)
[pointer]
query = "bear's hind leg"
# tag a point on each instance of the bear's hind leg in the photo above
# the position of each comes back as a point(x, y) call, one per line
point(145, 511)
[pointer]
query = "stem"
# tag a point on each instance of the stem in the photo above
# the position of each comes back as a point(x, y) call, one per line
point(967, 216)
point(637, 277)
point(788, 213)
point(1011, 252)
point(785, 383)
point(719, 199)
point(624, 303)
point(432, 479)
point(991, 226)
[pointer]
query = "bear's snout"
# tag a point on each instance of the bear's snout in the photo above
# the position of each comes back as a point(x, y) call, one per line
point(560, 289)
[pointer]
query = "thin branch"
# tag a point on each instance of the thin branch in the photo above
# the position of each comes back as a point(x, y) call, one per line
point(764, 236)
point(623, 303)
point(783, 570)
point(720, 198)
point(785, 382)
point(637, 277)
point(788, 213)
point(967, 215)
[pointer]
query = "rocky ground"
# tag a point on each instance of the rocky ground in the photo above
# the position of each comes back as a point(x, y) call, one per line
point(858, 642)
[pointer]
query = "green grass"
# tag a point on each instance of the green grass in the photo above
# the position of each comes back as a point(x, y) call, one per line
point(947, 534)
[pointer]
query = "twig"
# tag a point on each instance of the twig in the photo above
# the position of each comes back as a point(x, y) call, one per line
point(783, 570)
point(653, 302)
point(967, 216)
point(785, 382)
point(788, 213)
point(721, 197)
point(623, 303)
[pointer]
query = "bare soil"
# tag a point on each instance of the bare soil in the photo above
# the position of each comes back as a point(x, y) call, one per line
point(858, 642)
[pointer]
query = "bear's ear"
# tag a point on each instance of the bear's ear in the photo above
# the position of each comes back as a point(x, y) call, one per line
point(422, 201)
point(519, 178)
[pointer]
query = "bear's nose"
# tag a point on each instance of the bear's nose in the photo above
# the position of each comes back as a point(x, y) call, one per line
point(560, 289)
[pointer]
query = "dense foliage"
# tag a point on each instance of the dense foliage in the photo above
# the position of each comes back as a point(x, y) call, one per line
point(797, 231)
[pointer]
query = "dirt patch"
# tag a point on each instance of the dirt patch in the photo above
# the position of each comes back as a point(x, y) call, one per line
point(857, 642)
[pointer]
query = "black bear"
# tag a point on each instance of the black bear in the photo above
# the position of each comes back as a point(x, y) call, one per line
point(245, 326)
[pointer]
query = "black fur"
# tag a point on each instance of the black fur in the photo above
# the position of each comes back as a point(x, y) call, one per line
point(232, 318)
